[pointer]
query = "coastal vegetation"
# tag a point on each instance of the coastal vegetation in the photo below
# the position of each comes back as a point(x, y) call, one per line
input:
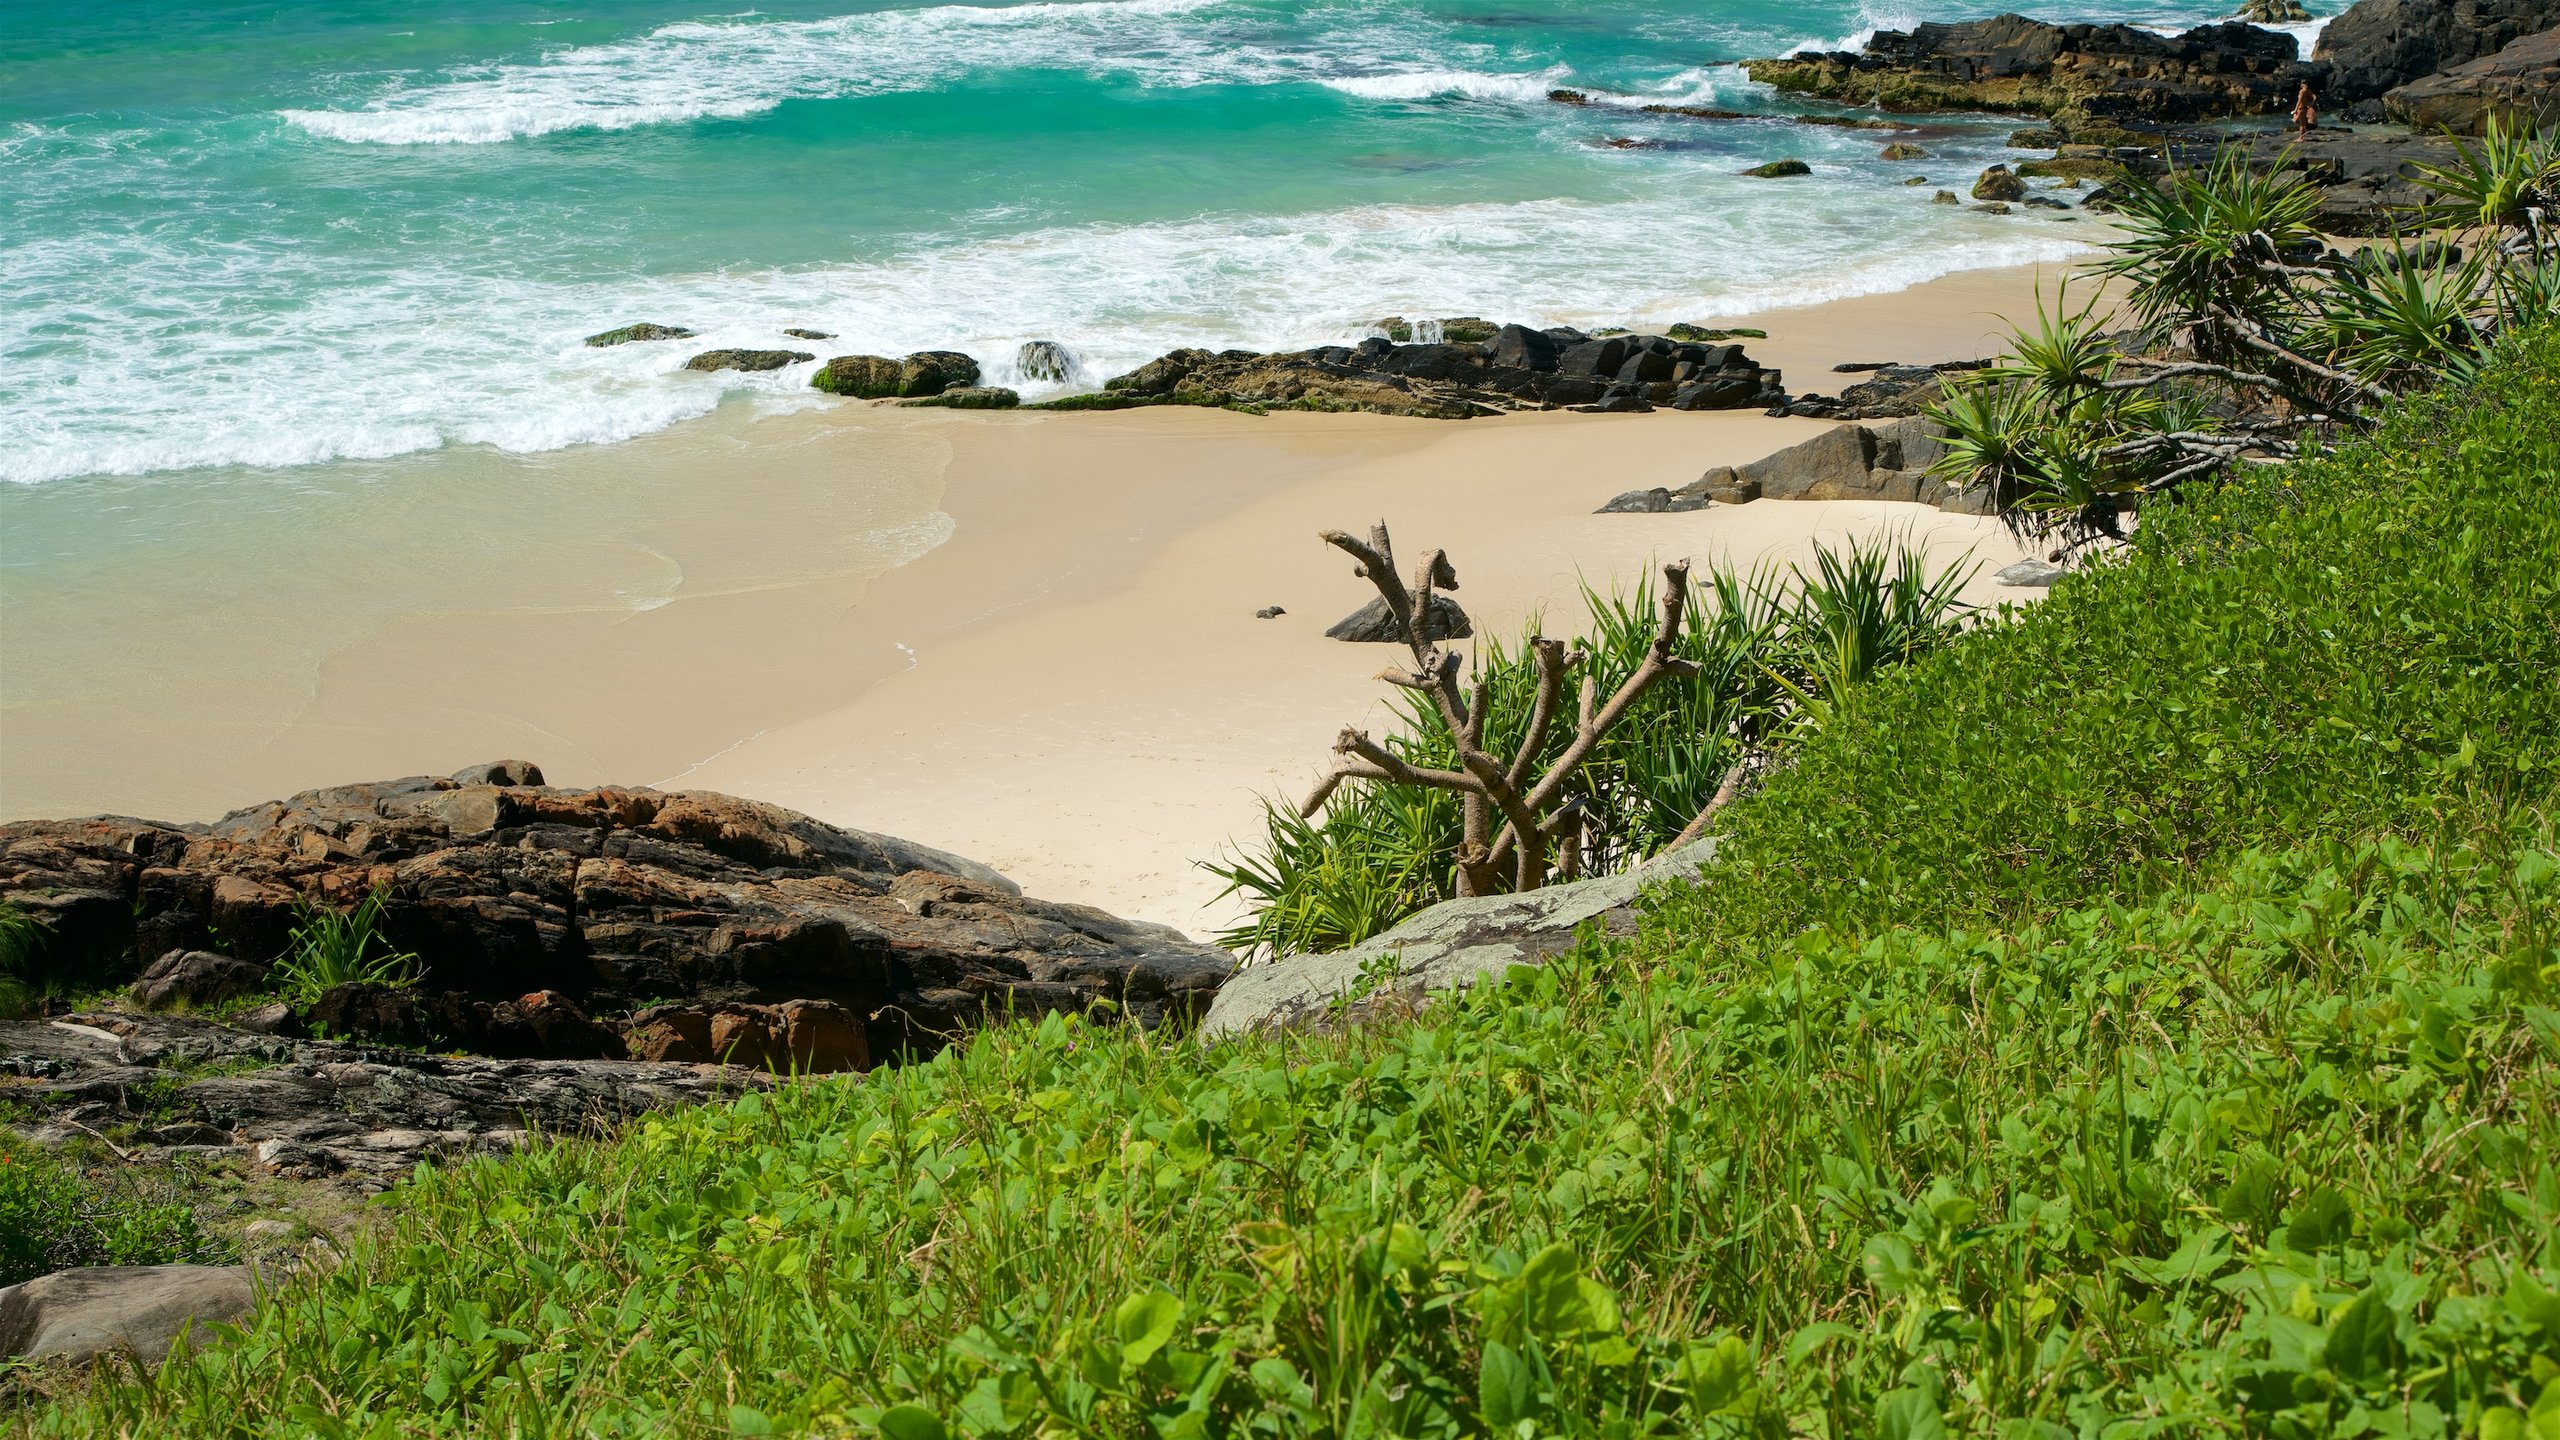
point(2134, 1017)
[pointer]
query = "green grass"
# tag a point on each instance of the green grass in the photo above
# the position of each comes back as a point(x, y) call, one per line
point(2135, 1020)
point(53, 1215)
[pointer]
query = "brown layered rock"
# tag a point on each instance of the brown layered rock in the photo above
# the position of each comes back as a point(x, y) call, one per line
point(1516, 368)
point(2520, 84)
point(2014, 64)
point(604, 896)
point(811, 1037)
point(2380, 45)
point(1878, 461)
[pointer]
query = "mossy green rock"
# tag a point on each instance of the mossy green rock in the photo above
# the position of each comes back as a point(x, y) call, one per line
point(970, 397)
point(1778, 170)
point(630, 334)
point(1904, 150)
point(2070, 168)
point(858, 377)
point(1999, 183)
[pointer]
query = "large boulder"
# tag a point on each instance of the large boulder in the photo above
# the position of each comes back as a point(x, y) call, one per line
point(610, 895)
point(2380, 45)
point(76, 1316)
point(930, 372)
point(2010, 63)
point(858, 377)
point(2520, 83)
point(2364, 177)
point(1887, 461)
point(795, 1037)
point(1454, 944)
point(196, 977)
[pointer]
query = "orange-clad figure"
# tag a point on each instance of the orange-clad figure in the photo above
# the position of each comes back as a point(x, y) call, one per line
point(2306, 110)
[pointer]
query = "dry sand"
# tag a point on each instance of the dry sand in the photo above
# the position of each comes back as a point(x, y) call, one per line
point(1072, 686)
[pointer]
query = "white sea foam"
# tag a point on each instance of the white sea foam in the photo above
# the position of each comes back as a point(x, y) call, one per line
point(726, 69)
point(1431, 84)
point(165, 371)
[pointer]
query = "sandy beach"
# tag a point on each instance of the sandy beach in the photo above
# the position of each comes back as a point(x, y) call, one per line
point(1027, 638)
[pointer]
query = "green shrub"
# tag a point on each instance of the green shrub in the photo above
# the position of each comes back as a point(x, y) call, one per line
point(52, 1217)
point(1774, 652)
point(330, 948)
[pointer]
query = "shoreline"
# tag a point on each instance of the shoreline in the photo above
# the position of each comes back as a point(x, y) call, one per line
point(1070, 686)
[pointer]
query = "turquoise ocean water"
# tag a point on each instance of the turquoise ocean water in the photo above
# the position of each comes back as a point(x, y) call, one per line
point(270, 235)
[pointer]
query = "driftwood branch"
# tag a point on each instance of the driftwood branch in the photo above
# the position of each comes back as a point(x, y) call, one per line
point(1525, 795)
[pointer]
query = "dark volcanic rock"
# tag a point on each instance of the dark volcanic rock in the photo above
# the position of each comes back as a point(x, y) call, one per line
point(2520, 83)
point(2364, 177)
point(2011, 63)
point(1778, 170)
point(604, 896)
point(1371, 624)
point(797, 333)
point(2379, 45)
point(747, 359)
point(1514, 368)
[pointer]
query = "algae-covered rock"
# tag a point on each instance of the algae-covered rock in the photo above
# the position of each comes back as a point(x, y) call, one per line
point(1999, 183)
point(930, 372)
point(859, 377)
point(630, 334)
point(1904, 150)
point(1779, 170)
point(1045, 360)
point(747, 359)
point(969, 397)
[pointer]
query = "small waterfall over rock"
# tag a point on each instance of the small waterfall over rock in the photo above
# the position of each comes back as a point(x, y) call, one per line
point(1045, 360)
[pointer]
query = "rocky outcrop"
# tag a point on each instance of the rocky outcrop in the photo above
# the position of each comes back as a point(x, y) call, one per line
point(930, 372)
point(630, 334)
point(359, 1116)
point(1517, 368)
point(747, 359)
point(1452, 945)
point(2380, 45)
point(2520, 83)
point(1889, 392)
point(1778, 170)
point(2011, 63)
point(796, 333)
point(501, 886)
point(76, 1316)
point(2364, 177)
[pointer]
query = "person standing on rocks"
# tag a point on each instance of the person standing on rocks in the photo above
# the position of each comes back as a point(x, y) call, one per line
point(2306, 110)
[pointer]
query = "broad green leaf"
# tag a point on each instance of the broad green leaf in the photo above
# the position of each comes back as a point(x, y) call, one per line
point(910, 1422)
point(1909, 1414)
point(1719, 1375)
point(1144, 1322)
point(1506, 1390)
point(2361, 1347)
